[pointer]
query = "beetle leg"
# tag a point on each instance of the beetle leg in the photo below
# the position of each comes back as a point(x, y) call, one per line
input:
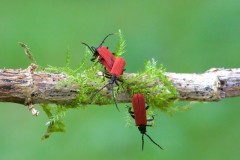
point(118, 89)
point(131, 112)
point(150, 119)
point(147, 107)
point(132, 116)
point(116, 83)
point(106, 74)
point(120, 80)
point(108, 77)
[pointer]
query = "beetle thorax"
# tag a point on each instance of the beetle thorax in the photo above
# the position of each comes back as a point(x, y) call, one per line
point(113, 79)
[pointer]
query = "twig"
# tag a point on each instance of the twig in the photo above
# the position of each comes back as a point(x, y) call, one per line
point(24, 86)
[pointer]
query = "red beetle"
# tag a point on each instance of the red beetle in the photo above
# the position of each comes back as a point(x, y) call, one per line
point(114, 75)
point(103, 54)
point(140, 116)
point(118, 67)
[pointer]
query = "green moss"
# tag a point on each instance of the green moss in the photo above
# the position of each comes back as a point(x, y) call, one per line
point(55, 114)
point(161, 96)
point(120, 49)
point(82, 75)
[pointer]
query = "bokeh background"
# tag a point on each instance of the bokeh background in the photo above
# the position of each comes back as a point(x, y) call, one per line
point(184, 36)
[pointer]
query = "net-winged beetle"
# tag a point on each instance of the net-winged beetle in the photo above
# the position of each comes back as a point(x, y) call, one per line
point(140, 116)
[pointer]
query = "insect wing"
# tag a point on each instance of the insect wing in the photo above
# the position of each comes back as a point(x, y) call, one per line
point(118, 67)
point(138, 103)
point(107, 56)
point(105, 64)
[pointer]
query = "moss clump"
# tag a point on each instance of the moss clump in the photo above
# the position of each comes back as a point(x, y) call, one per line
point(55, 114)
point(155, 86)
point(84, 73)
point(162, 96)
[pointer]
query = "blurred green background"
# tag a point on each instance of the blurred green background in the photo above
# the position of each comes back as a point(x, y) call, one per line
point(185, 36)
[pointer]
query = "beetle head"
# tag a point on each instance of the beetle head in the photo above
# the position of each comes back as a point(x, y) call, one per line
point(93, 50)
point(142, 129)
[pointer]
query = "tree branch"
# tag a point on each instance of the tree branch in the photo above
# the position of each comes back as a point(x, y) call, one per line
point(213, 85)
point(27, 87)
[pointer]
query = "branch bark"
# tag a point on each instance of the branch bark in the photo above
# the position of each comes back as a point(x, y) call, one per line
point(27, 87)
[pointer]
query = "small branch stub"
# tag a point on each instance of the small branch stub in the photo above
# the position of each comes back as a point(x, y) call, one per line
point(33, 110)
point(28, 100)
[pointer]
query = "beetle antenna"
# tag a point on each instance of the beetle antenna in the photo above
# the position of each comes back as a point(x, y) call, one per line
point(105, 39)
point(88, 47)
point(98, 91)
point(114, 99)
point(142, 141)
point(153, 141)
